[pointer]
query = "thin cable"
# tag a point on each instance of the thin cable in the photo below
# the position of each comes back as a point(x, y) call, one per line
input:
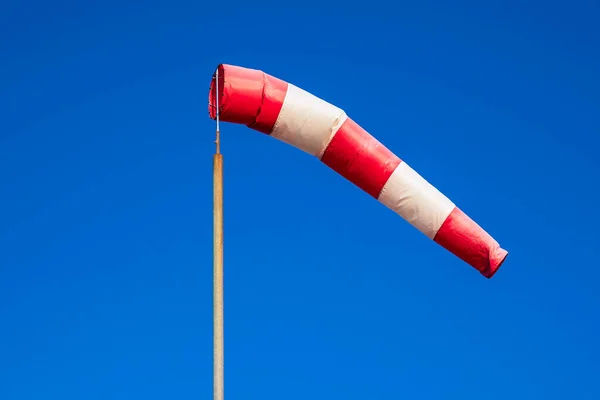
point(218, 112)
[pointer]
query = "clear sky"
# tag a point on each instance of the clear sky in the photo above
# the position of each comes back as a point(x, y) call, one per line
point(106, 203)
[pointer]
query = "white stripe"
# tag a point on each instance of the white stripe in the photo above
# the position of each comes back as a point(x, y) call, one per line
point(416, 200)
point(307, 122)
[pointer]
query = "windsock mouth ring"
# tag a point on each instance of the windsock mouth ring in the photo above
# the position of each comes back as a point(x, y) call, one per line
point(212, 92)
point(496, 266)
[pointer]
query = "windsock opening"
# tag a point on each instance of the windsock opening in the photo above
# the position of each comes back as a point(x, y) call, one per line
point(246, 96)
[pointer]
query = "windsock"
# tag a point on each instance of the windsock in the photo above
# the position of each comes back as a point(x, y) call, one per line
point(299, 118)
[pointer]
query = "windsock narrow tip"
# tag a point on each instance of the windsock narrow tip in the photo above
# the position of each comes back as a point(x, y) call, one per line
point(496, 261)
point(463, 237)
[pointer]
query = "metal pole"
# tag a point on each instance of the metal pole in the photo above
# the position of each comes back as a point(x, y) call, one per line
point(218, 354)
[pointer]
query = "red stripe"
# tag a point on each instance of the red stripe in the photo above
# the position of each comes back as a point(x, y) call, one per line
point(460, 235)
point(247, 96)
point(360, 158)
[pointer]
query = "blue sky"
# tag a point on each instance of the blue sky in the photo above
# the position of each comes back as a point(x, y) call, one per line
point(105, 202)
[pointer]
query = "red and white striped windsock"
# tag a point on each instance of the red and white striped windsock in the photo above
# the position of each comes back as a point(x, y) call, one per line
point(296, 117)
